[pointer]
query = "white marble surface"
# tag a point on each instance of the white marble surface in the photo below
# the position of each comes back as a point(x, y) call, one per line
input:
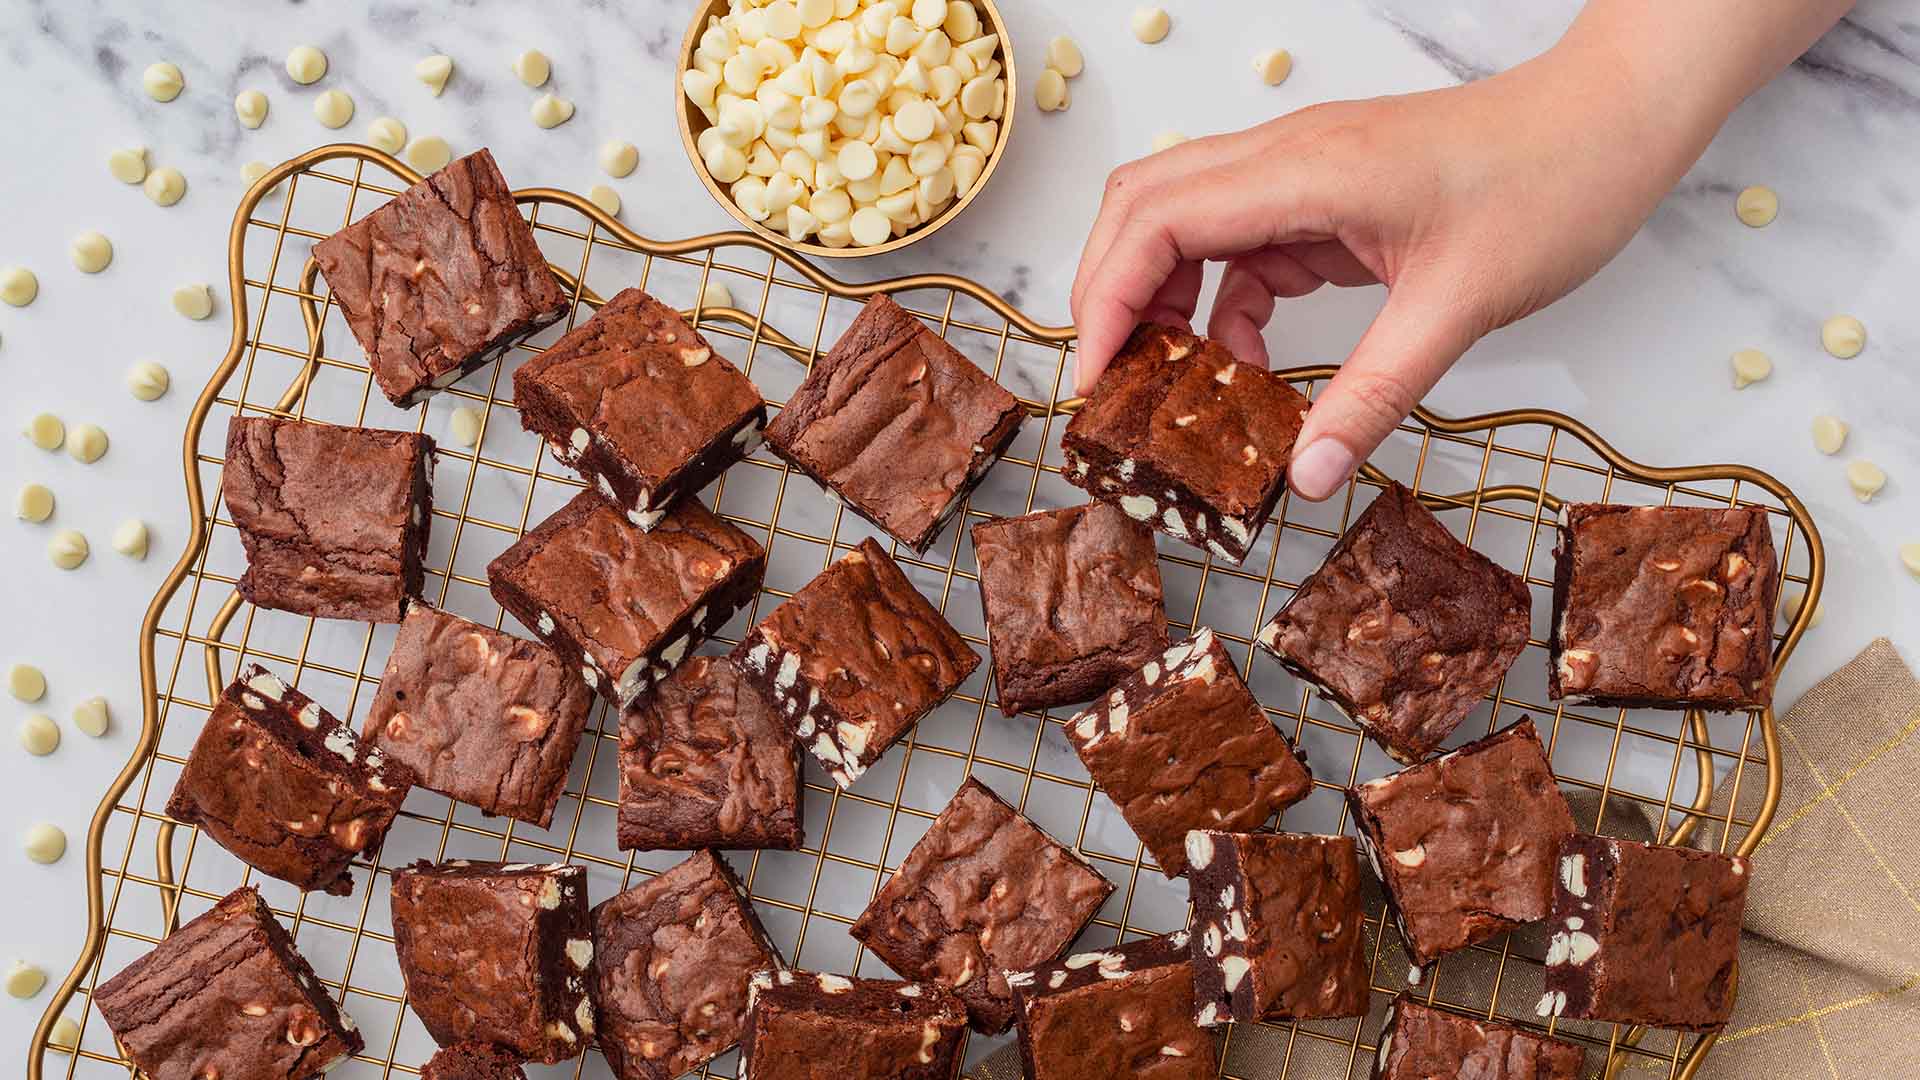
point(1640, 353)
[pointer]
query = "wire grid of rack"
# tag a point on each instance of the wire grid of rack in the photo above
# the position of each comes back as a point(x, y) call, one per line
point(1497, 480)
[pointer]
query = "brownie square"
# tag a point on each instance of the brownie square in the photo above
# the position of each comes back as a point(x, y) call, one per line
point(1278, 927)
point(285, 787)
point(1072, 603)
point(334, 520)
point(497, 952)
point(704, 763)
point(479, 715)
point(441, 280)
point(1644, 934)
point(675, 954)
point(1663, 607)
point(1182, 744)
point(1468, 843)
point(1126, 1011)
point(473, 1061)
point(801, 1024)
point(638, 403)
point(226, 995)
point(984, 892)
point(1404, 627)
point(1187, 439)
point(1419, 1041)
point(853, 659)
point(896, 422)
point(624, 606)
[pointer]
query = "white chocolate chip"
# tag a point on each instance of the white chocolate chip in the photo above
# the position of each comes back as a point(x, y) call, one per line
point(428, 154)
point(605, 198)
point(715, 294)
point(1909, 557)
point(26, 683)
point(130, 539)
point(550, 111)
point(91, 252)
point(18, 286)
point(91, 717)
point(162, 81)
point(1199, 849)
point(65, 1034)
point(1063, 56)
point(45, 843)
point(87, 443)
point(165, 185)
point(34, 503)
point(835, 984)
point(333, 108)
point(1843, 336)
point(306, 65)
point(1829, 434)
point(147, 380)
point(463, 426)
point(1167, 140)
point(1150, 25)
point(387, 134)
point(1050, 92)
point(46, 431)
point(1866, 479)
point(1412, 857)
point(250, 108)
point(1273, 66)
point(433, 71)
point(1232, 970)
point(1552, 1003)
point(618, 158)
point(252, 171)
point(1573, 874)
point(533, 68)
point(128, 165)
point(24, 980)
point(194, 301)
point(39, 735)
point(1749, 367)
point(1756, 206)
point(580, 951)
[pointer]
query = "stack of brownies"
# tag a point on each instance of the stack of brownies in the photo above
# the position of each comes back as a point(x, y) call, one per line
point(1404, 627)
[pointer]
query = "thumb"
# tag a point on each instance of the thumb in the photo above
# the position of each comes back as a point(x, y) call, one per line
point(1413, 341)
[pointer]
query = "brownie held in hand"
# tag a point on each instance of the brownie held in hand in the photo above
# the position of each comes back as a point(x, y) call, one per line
point(1467, 844)
point(479, 715)
point(1124, 1011)
point(622, 605)
point(1187, 439)
point(1072, 603)
point(1420, 1042)
point(984, 892)
point(226, 995)
point(285, 787)
point(1663, 607)
point(807, 1026)
point(1182, 744)
point(1404, 627)
point(497, 952)
point(853, 659)
point(639, 404)
point(441, 280)
point(334, 520)
point(896, 422)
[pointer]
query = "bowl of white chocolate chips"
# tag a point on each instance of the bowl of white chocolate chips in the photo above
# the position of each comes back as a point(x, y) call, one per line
point(845, 127)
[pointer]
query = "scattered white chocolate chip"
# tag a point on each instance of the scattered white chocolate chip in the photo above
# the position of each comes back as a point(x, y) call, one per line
point(34, 503)
point(715, 294)
point(67, 549)
point(128, 165)
point(550, 111)
point(1866, 479)
point(428, 154)
point(46, 431)
point(533, 68)
point(1167, 140)
point(1063, 56)
point(306, 64)
point(870, 226)
point(163, 81)
point(1273, 66)
point(1749, 367)
point(1792, 600)
point(1829, 434)
point(26, 683)
point(1910, 558)
point(87, 443)
point(1843, 336)
point(618, 158)
point(18, 286)
point(39, 735)
point(194, 301)
point(148, 380)
point(434, 72)
point(165, 185)
point(333, 108)
point(388, 134)
point(90, 716)
point(45, 843)
point(25, 980)
point(463, 425)
point(605, 198)
point(252, 171)
point(1050, 92)
point(65, 1034)
point(1756, 206)
point(130, 539)
point(1150, 25)
point(250, 107)
point(91, 252)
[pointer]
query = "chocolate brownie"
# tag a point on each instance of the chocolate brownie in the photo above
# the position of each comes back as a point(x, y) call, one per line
point(1468, 843)
point(1072, 603)
point(480, 716)
point(1278, 927)
point(441, 280)
point(226, 995)
point(334, 520)
point(1419, 1042)
point(497, 952)
point(704, 763)
point(896, 422)
point(1124, 1011)
point(853, 659)
point(285, 787)
point(984, 892)
point(1644, 934)
point(1404, 627)
point(636, 401)
point(1182, 744)
point(624, 607)
point(675, 953)
point(1663, 607)
point(806, 1026)
point(1187, 439)
point(473, 1061)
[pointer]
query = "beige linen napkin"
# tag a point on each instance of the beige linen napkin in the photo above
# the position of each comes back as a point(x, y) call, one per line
point(1830, 964)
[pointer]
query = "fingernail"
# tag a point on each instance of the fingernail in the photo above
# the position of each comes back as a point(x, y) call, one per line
point(1323, 466)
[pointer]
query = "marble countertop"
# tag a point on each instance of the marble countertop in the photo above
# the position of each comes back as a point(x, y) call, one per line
point(1640, 353)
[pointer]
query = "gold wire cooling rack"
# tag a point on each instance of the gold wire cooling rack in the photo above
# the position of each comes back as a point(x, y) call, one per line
point(1498, 479)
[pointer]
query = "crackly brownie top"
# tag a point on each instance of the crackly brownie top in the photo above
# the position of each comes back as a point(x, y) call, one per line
point(439, 274)
point(1182, 406)
point(646, 381)
point(1419, 1042)
point(1405, 625)
point(822, 1026)
point(1666, 603)
point(1123, 1011)
point(893, 418)
point(342, 497)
